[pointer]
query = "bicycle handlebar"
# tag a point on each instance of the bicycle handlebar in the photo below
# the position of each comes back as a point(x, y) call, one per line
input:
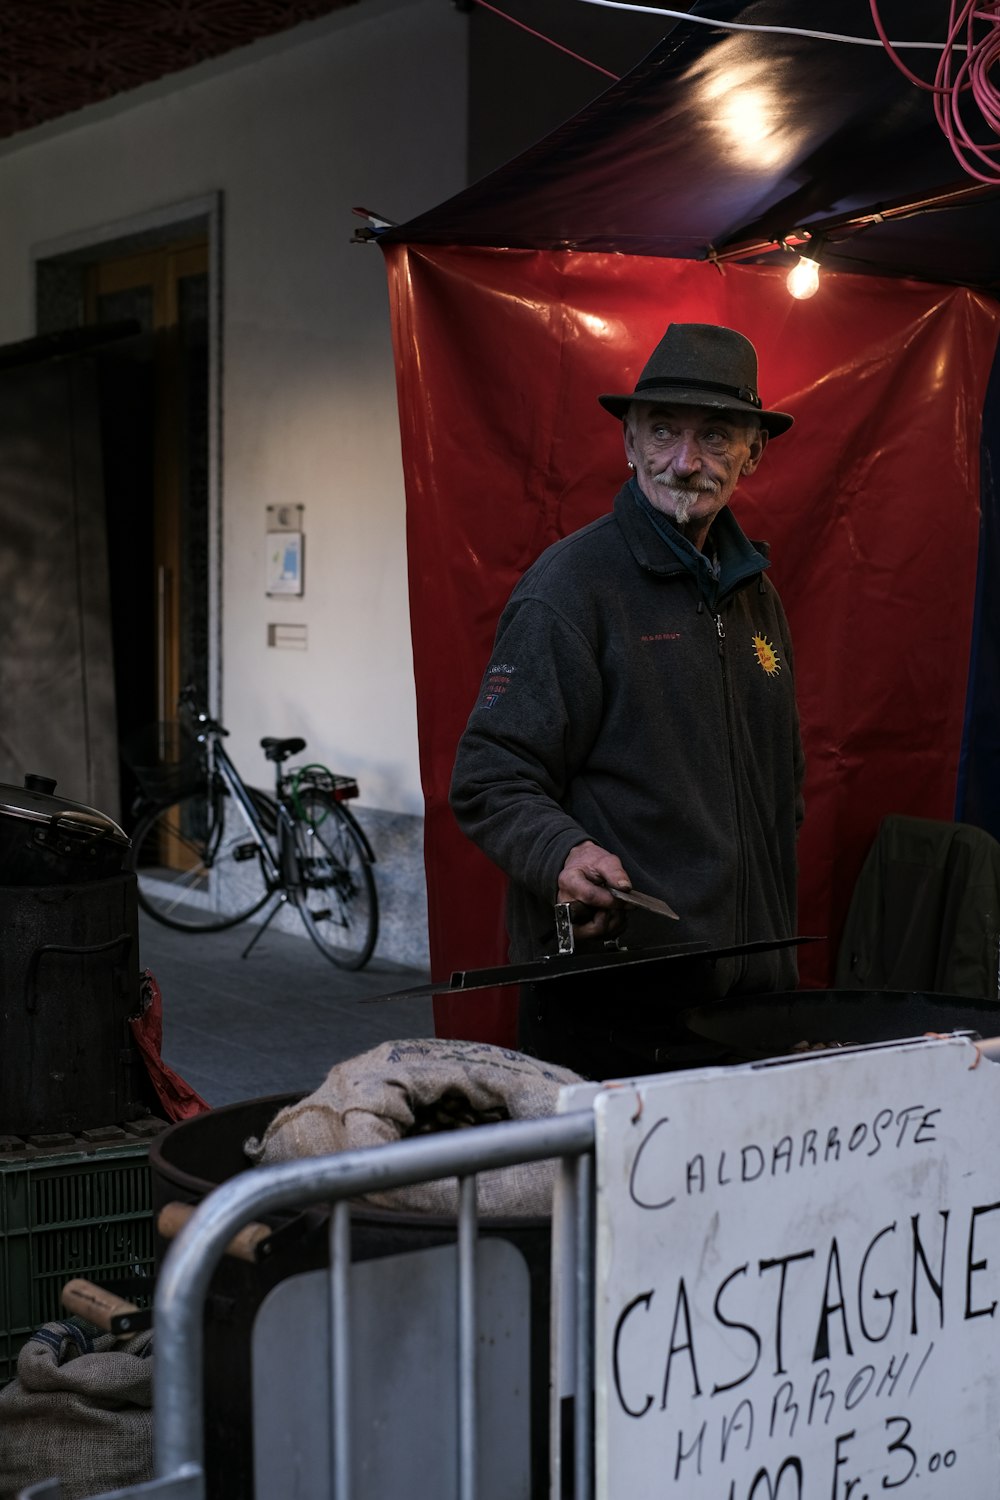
point(188, 699)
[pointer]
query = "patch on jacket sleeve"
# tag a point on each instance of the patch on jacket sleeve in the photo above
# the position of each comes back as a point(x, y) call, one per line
point(767, 658)
point(497, 682)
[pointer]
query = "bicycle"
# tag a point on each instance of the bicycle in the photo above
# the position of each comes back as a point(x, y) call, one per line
point(209, 852)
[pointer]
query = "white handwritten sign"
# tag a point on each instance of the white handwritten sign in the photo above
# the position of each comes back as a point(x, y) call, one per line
point(798, 1276)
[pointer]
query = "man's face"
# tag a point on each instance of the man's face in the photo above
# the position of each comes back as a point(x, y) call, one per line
point(689, 459)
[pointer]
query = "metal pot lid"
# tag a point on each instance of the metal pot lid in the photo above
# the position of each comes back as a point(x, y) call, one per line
point(560, 965)
point(35, 803)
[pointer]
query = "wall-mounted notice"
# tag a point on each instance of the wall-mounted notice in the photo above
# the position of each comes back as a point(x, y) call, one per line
point(284, 562)
point(798, 1277)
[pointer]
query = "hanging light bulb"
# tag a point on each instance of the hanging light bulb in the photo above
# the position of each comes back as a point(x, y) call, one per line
point(803, 279)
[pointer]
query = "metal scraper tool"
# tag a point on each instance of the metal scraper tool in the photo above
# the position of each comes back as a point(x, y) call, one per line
point(648, 903)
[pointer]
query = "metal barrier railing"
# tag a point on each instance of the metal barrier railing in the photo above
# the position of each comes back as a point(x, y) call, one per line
point(192, 1258)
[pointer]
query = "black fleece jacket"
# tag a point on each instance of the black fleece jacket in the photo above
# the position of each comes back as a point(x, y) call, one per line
point(617, 707)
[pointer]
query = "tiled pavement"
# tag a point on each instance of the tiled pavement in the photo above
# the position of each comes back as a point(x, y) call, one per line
point(274, 1022)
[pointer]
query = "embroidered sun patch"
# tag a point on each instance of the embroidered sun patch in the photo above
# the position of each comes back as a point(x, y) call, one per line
point(766, 655)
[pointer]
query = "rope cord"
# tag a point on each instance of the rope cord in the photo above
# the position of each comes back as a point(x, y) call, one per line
point(720, 25)
point(543, 38)
point(297, 777)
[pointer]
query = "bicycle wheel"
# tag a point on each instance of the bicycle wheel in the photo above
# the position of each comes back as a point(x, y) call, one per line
point(198, 864)
point(333, 888)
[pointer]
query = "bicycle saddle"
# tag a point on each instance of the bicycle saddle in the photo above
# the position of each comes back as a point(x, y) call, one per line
point(280, 750)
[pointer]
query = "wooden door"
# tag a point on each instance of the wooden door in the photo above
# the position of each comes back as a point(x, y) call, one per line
point(165, 290)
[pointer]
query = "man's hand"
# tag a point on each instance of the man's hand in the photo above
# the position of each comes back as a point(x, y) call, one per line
point(588, 877)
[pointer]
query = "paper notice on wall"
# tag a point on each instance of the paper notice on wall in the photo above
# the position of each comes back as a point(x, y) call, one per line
point(797, 1279)
point(284, 562)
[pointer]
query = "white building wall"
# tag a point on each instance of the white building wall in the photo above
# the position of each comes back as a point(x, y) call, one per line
point(366, 108)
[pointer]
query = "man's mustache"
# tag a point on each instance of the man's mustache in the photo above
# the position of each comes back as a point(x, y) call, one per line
point(695, 486)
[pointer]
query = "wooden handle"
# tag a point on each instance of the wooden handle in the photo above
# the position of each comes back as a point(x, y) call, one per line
point(94, 1303)
point(243, 1246)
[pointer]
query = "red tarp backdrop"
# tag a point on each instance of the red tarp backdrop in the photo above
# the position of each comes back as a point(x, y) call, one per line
point(870, 504)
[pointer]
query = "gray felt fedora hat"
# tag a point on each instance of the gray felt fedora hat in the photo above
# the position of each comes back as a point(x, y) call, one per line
point(701, 364)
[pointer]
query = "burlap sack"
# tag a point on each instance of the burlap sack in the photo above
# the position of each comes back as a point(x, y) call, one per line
point(79, 1410)
point(407, 1088)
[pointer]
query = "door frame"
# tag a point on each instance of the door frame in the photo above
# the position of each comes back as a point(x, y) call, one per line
point(175, 218)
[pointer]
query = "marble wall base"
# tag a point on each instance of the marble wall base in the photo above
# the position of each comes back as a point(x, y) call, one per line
point(397, 840)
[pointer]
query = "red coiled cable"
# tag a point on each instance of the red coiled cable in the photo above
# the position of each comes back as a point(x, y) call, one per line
point(963, 83)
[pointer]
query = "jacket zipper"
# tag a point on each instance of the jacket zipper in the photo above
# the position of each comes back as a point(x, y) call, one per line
point(741, 930)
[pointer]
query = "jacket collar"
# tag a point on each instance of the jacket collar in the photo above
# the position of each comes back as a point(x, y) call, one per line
point(658, 546)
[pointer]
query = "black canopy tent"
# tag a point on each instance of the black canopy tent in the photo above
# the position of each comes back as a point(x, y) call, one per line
point(724, 141)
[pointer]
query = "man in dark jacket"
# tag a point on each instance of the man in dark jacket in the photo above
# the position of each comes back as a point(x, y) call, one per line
point(637, 722)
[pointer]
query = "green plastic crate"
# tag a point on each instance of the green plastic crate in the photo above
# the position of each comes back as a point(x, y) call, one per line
point(86, 1213)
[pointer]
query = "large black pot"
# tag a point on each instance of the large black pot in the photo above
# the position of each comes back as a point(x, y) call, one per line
point(49, 840)
point(69, 983)
point(760, 1026)
point(69, 966)
point(194, 1156)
